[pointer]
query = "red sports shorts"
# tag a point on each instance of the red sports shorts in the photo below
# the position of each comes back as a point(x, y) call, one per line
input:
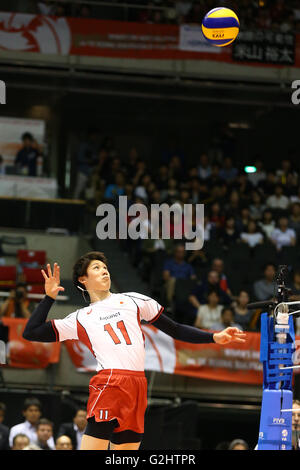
point(119, 394)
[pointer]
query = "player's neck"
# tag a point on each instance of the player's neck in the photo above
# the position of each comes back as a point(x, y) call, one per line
point(95, 296)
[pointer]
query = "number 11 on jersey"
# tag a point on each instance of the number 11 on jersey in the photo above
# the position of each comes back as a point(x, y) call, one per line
point(121, 326)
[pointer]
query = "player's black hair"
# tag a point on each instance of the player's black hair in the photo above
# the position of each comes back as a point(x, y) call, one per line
point(81, 265)
point(32, 402)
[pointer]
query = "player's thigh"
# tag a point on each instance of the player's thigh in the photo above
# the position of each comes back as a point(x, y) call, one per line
point(128, 446)
point(93, 443)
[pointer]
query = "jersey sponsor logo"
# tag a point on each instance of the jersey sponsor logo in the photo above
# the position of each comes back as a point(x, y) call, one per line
point(89, 311)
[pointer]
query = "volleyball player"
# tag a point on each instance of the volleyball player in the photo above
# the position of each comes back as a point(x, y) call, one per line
point(110, 326)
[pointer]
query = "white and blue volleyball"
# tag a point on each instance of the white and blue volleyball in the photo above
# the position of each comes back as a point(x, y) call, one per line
point(220, 26)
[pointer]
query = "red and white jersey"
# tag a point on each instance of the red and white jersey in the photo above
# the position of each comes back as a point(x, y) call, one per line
point(111, 329)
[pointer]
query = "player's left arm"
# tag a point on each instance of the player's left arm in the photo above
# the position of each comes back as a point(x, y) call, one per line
point(191, 334)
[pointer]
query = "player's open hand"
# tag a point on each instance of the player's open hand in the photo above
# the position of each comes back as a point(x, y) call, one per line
point(230, 335)
point(52, 281)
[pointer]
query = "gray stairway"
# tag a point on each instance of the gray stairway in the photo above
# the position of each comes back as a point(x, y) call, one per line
point(123, 274)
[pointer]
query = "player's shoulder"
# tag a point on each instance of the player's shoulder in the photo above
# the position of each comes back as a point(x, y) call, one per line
point(136, 296)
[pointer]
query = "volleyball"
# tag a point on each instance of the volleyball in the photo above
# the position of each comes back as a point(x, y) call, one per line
point(220, 26)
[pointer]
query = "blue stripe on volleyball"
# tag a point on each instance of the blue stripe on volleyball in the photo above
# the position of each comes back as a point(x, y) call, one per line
point(222, 23)
point(219, 41)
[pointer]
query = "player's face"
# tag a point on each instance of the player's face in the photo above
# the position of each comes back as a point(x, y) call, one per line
point(98, 278)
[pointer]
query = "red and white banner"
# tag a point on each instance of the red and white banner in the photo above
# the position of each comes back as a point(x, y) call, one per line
point(26, 354)
point(89, 37)
point(233, 363)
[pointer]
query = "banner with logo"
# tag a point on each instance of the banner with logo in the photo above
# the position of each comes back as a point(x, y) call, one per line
point(121, 39)
point(265, 46)
point(233, 363)
point(26, 354)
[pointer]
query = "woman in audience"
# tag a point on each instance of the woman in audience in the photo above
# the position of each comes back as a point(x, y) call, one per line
point(283, 236)
point(209, 313)
point(253, 236)
point(242, 315)
point(267, 224)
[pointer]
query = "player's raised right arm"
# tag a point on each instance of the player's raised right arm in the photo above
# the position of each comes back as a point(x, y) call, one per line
point(37, 328)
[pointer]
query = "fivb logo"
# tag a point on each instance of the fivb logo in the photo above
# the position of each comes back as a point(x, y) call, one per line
point(187, 223)
point(2, 92)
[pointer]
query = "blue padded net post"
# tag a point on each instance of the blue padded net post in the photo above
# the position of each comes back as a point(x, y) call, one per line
point(275, 431)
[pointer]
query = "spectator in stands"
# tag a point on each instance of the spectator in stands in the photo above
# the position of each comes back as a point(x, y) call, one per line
point(242, 315)
point(278, 200)
point(26, 158)
point(286, 171)
point(17, 305)
point(140, 171)
point(229, 234)
point(259, 175)
point(296, 425)
point(267, 185)
point(228, 172)
point(176, 268)
point(244, 187)
point(63, 443)
point(4, 430)
point(253, 236)
point(295, 197)
point(44, 433)
point(32, 411)
point(215, 178)
point(172, 192)
point(243, 220)
point(20, 441)
point(233, 207)
point(227, 319)
point(295, 288)
point(238, 444)
point(204, 169)
point(218, 266)
point(161, 179)
point(216, 216)
point(294, 219)
point(210, 313)
point(265, 288)
point(199, 295)
point(176, 169)
point(283, 236)
point(75, 430)
point(256, 206)
point(87, 159)
point(267, 224)
point(142, 190)
point(113, 191)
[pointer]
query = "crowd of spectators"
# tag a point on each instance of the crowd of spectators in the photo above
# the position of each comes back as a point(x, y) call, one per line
point(247, 216)
point(35, 432)
point(278, 15)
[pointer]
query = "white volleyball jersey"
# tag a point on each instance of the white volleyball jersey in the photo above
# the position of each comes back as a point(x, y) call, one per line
point(111, 329)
